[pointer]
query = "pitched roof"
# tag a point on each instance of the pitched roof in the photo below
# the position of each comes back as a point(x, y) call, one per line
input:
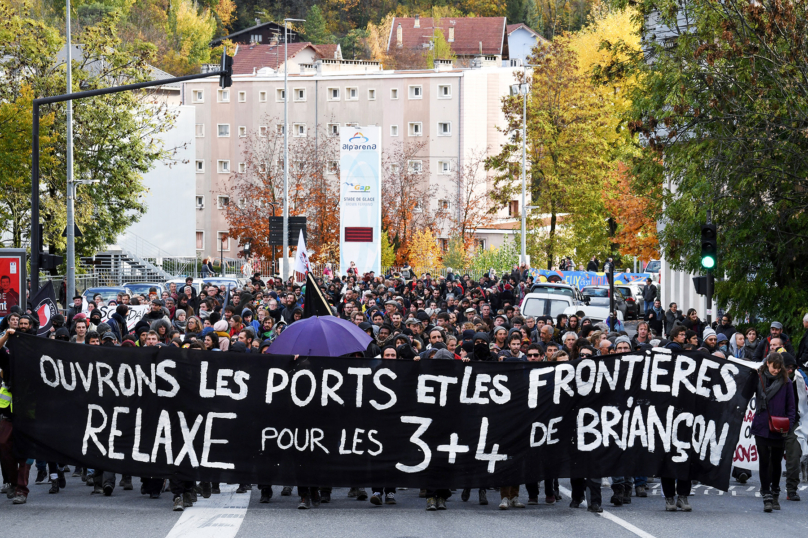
point(218, 40)
point(329, 51)
point(248, 58)
point(468, 34)
point(514, 27)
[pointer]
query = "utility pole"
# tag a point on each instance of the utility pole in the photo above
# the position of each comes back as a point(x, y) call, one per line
point(285, 273)
point(523, 89)
point(71, 191)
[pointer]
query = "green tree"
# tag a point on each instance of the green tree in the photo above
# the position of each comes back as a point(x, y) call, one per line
point(500, 259)
point(456, 256)
point(314, 29)
point(722, 105)
point(517, 11)
point(440, 50)
point(388, 252)
point(568, 155)
point(114, 135)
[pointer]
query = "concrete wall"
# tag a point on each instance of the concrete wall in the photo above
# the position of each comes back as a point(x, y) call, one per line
point(169, 220)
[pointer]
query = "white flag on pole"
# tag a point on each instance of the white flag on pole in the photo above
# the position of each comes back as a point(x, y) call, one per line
point(301, 259)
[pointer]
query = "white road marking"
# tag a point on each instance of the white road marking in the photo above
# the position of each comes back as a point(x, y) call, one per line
point(220, 516)
point(613, 518)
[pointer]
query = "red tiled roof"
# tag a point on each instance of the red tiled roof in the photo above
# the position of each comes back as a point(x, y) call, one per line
point(468, 33)
point(255, 56)
point(328, 51)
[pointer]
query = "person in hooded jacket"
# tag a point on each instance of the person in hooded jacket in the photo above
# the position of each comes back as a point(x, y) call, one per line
point(373, 349)
point(737, 346)
point(802, 350)
point(774, 397)
point(163, 328)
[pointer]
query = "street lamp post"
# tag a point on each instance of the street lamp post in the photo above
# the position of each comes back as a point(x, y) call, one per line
point(70, 253)
point(286, 145)
point(523, 89)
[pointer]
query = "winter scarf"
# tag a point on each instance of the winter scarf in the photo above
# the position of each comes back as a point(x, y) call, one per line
point(774, 385)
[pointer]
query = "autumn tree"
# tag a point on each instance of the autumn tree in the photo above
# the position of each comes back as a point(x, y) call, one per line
point(424, 252)
point(568, 155)
point(313, 188)
point(468, 188)
point(408, 199)
point(635, 218)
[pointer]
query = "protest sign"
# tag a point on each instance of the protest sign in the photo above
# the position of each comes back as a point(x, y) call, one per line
point(580, 279)
point(132, 317)
point(244, 418)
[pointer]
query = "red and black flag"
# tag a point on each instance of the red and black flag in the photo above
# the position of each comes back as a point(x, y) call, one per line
point(43, 307)
point(314, 304)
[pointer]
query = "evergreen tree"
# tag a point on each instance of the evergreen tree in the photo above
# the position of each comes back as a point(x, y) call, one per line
point(314, 29)
point(517, 10)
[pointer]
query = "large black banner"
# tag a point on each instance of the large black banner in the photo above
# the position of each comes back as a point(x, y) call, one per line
point(239, 418)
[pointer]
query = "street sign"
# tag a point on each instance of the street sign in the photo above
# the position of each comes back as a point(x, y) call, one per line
point(276, 230)
point(76, 231)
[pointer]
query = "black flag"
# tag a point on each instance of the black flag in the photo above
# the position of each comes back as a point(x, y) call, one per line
point(43, 307)
point(314, 304)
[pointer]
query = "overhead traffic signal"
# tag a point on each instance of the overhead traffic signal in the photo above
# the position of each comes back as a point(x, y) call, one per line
point(709, 246)
point(226, 80)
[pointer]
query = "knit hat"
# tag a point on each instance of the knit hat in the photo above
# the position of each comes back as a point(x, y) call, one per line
point(722, 337)
point(624, 339)
point(708, 333)
point(221, 326)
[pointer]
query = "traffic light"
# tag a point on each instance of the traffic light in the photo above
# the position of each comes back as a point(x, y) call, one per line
point(709, 246)
point(226, 80)
point(48, 262)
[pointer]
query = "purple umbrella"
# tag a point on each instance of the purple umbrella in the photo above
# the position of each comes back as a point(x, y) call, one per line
point(326, 336)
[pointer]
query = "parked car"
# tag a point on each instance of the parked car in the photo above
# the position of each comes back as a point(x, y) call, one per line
point(180, 282)
point(220, 281)
point(634, 302)
point(558, 288)
point(546, 304)
point(653, 266)
point(599, 296)
point(142, 288)
point(596, 314)
point(107, 293)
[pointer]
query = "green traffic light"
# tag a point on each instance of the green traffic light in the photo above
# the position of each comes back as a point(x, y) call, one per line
point(708, 262)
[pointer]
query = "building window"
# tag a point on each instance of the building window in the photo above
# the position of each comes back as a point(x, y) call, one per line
point(262, 168)
point(444, 244)
point(200, 240)
point(333, 129)
point(395, 169)
point(280, 95)
point(200, 201)
point(332, 167)
point(444, 91)
point(242, 131)
point(242, 97)
point(351, 94)
point(394, 93)
point(444, 167)
point(223, 129)
point(416, 129)
point(223, 167)
point(415, 167)
point(242, 167)
point(223, 96)
point(444, 128)
point(200, 130)
point(416, 92)
point(443, 204)
point(299, 130)
point(198, 96)
point(224, 241)
point(333, 94)
point(513, 208)
point(371, 95)
point(262, 97)
point(200, 166)
point(279, 129)
point(394, 130)
point(480, 244)
point(300, 94)
point(222, 202)
point(262, 130)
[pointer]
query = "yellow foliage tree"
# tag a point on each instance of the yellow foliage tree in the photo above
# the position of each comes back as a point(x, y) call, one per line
point(424, 252)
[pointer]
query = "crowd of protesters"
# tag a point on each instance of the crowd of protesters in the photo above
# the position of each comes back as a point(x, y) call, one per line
point(449, 317)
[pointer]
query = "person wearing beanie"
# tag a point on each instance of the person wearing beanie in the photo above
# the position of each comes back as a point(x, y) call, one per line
point(722, 343)
point(709, 340)
point(220, 328)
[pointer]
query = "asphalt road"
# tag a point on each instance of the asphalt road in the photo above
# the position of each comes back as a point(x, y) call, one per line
point(74, 512)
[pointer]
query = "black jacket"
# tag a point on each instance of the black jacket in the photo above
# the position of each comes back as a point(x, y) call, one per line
point(802, 351)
